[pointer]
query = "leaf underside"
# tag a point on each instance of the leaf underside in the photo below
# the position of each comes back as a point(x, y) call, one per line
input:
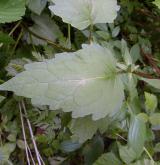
point(84, 82)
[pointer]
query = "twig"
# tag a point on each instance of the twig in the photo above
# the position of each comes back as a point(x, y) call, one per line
point(18, 39)
point(30, 153)
point(32, 136)
point(14, 28)
point(24, 135)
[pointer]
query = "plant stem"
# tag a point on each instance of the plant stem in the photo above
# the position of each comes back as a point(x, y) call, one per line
point(14, 28)
point(18, 39)
point(91, 33)
point(24, 134)
point(31, 133)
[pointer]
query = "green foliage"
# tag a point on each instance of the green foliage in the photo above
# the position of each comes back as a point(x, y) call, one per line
point(11, 10)
point(86, 75)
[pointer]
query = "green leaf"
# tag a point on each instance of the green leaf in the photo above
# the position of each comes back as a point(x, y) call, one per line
point(84, 82)
point(46, 27)
point(135, 53)
point(137, 135)
point(11, 11)
point(1, 98)
point(81, 14)
point(69, 146)
point(127, 154)
point(157, 3)
point(5, 38)
point(145, 162)
point(150, 102)
point(108, 159)
point(93, 150)
point(153, 82)
point(37, 6)
point(83, 133)
point(155, 119)
point(125, 53)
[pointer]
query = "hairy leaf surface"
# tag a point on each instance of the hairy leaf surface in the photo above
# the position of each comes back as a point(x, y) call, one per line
point(82, 13)
point(84, 82)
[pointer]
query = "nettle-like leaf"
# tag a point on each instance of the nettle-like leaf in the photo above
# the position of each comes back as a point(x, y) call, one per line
point(82, 13)
point(11, 10)
point(84, 82)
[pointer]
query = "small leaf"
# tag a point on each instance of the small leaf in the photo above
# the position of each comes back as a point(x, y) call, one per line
point(116, 31)
point(69, 146)
point(137, 135)
point(1, 98)
point(108, 159)
point(84, 83)
point(81, 14)
point(155, 119)
point(150, 102)
point(125, 53)
point(153, 82)
point(11, 10)
point(135, 53)
point(5, 38)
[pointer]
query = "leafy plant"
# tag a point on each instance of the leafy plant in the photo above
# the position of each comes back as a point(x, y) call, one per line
point(86, 82)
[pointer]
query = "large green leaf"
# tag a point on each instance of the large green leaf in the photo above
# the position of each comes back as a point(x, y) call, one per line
point(11, 10)
point(82, 13)
point(84, 82)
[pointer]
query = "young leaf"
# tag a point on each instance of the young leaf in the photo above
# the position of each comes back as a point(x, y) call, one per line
point(155, 119)
point(82, 13)
point(11, 10)
point(151, 102)
point(84, 82)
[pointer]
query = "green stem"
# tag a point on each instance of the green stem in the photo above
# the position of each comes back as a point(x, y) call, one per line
point(14, 28)
point(69, 33)
point(18, 39)
point(91, 33)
